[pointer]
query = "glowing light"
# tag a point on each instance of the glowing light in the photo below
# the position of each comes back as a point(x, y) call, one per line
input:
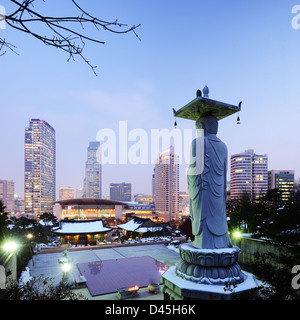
point(66, 267)
point(29, 236)
point(237, 234)
point(10, 246)
point(135, 288)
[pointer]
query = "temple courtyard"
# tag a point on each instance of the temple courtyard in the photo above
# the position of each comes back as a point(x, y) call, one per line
point(107, 267)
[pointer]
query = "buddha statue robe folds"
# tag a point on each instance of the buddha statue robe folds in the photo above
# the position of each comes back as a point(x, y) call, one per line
point(207, 187)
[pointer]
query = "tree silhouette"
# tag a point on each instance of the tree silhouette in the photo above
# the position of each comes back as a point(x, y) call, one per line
point(3, 221)
point(62, 32)
point(269, 216)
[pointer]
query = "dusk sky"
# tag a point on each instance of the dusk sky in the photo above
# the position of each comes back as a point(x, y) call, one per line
point(242, 50)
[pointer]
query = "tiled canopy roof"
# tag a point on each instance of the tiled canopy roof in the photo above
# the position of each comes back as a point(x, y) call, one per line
point(74, 227)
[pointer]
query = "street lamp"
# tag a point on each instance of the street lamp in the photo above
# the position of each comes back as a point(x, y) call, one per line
point(65, 262)
point(237, 234)
point(10, 263)
point(66, 267)
point(10, 246)
point(29, 236)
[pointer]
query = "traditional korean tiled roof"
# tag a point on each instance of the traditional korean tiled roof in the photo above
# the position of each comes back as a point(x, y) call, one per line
point(140, 225)
point(77, 227)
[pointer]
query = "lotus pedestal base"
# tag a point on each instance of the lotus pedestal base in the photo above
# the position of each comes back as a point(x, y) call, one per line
point(208, 274)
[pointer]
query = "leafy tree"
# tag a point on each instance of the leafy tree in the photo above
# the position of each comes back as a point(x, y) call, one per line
point(24, 226)
point(124, 238)
point(269, 216)
point(39, 288)
point(275, 271)
point(241, 213)
point(48, 218)
point(294, 207)
point(3, 221)
point(135, 235)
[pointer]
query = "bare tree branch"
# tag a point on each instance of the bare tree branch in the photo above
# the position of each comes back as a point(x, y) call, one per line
point(63, 36)
point(5, 44)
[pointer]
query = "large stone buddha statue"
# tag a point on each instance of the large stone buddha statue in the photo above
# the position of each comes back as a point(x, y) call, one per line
point(207, 186)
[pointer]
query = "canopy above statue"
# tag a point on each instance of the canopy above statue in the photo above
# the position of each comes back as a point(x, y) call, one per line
point(203, 105)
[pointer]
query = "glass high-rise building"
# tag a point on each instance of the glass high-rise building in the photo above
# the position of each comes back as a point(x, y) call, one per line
point(248, 175)
point(166, 185)
point(40, 167)
point(7, 195)
point(120, 191)
point(283, 180)
point(92, 184)
point(66, 193)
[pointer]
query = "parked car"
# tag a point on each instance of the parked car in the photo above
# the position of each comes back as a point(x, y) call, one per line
point(42, 245)
point(54, 243)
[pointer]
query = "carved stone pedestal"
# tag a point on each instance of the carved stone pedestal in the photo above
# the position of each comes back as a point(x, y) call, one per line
point(212, 274)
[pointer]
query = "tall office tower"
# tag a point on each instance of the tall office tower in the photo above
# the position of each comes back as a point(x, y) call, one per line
point(166, 181)
point(248, 174)
point(79, 193)
point(153, 186)
point(283, 180)
point(40, 167)
point(120, 191)
point(66, 193)
point(7, 195)
point(184, 203)
point(92, 184)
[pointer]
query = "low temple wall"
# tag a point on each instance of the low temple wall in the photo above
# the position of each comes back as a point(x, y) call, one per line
point(251, 246)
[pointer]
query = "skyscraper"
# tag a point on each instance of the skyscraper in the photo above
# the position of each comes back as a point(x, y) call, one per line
point(120, 191)
point(7, 195)
point(66, 193)
point(166, 185)
point(40, 167)
point(282, 180)
point(248, 175)
point(92, 184)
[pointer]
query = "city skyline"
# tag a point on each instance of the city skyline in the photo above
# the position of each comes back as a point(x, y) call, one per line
point(250, 55)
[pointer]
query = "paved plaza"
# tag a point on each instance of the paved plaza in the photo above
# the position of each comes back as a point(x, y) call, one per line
point(48, 266)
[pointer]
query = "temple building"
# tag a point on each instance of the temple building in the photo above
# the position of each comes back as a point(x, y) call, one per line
point(140, 225)
point(81, 232)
